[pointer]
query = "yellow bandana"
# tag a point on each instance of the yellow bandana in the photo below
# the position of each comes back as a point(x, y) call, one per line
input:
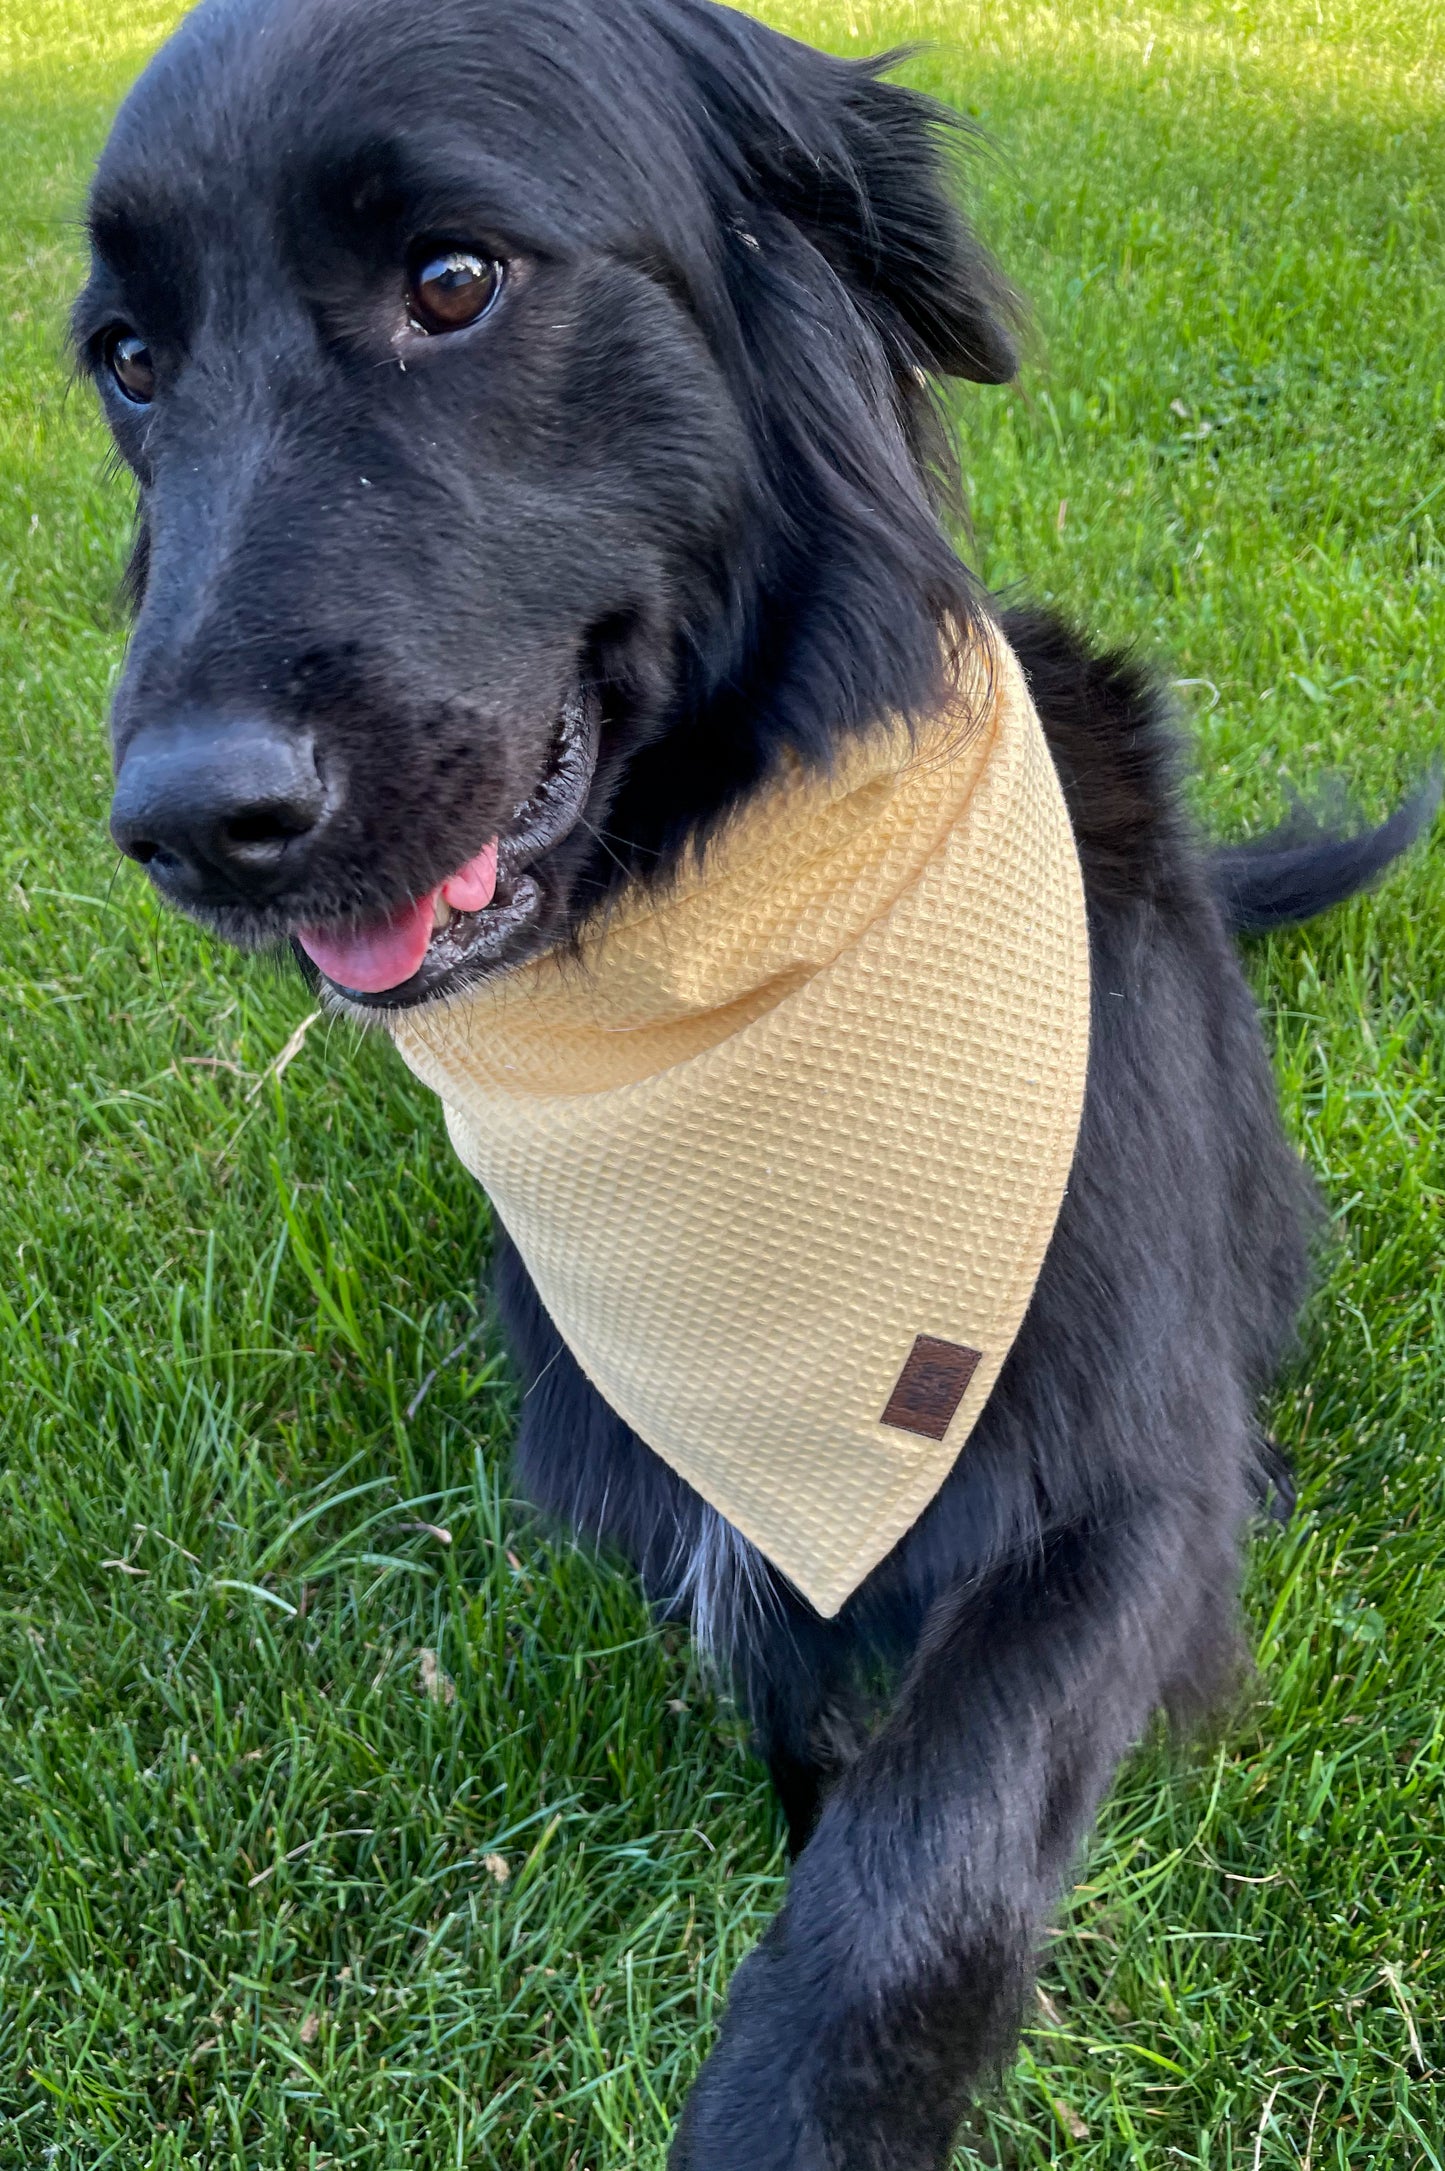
point(784, 1148)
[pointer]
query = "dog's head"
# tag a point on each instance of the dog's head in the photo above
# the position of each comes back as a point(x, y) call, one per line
point(527, 402)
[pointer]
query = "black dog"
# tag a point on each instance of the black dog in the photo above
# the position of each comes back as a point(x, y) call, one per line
point(530, 411)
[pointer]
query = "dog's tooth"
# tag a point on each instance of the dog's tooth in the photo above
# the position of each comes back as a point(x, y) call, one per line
point(441, 911)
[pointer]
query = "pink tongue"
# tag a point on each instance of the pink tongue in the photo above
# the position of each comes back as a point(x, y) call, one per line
point(379, 957)
point(382, 957)
point(474, 885)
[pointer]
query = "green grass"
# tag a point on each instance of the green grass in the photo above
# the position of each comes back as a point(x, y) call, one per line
point(264, 1899)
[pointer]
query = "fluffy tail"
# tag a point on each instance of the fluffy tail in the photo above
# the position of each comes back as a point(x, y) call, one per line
point(1309, 864)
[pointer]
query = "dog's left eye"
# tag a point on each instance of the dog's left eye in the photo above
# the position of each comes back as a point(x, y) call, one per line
point(449, 291)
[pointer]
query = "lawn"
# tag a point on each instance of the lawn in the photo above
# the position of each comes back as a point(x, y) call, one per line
point(349, 1819)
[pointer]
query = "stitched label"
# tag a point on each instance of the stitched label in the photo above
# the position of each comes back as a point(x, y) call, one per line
point(930, 1387)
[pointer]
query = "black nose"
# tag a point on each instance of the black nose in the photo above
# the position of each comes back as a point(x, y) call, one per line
point(218, 810)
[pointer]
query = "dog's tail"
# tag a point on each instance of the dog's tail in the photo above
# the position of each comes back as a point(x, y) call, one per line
point(1309, 864)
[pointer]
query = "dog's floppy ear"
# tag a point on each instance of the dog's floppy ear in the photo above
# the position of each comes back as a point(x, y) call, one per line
point(861, 167)
point(873, 193)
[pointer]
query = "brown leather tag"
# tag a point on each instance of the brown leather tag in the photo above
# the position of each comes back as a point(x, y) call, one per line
point(930, 1387)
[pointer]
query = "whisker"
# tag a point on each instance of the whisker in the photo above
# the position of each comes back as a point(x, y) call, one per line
point(607, 848)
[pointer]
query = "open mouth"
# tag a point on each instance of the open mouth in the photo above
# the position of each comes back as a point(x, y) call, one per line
point(468, 925)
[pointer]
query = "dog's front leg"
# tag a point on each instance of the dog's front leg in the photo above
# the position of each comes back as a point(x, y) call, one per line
point(897, 1971)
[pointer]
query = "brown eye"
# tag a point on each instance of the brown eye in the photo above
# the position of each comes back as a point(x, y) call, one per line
point(129, 359)
point(450, 291)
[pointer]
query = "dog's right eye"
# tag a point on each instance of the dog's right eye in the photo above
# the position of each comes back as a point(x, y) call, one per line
point(449, 291)
point(128, 359)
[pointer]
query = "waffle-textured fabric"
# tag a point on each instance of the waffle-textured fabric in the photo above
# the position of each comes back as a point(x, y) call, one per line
point(783, 1148)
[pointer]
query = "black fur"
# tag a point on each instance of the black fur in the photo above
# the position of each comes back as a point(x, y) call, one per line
point(691, 467)
point(1309, 865)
